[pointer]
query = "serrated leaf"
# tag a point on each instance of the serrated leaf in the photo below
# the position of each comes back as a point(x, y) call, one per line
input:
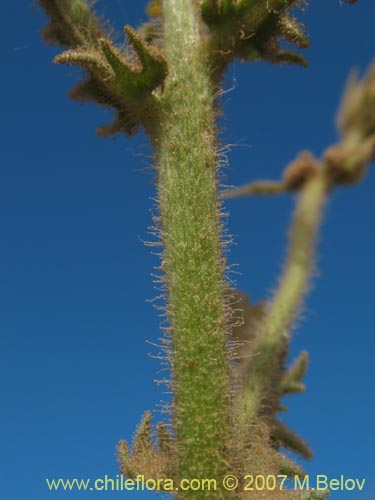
point(249, 28)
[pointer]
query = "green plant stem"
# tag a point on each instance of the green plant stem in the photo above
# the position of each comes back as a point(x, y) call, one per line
point(266, 366)
point(262, 188)
point(193, 261)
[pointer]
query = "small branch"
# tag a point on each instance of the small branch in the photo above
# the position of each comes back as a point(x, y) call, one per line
point(266, 369)
point(296, 174)
point(266, 380)
point(260, 188)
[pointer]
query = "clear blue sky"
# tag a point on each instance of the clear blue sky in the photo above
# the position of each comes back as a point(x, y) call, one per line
point(74, 274)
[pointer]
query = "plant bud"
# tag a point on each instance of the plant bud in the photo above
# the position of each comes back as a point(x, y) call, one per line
point(300, 170)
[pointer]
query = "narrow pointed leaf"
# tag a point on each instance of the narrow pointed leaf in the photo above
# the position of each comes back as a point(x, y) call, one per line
point(292, 380)
point(124, 459)
point(154, 66)
point(293, 32)
point(85, 58)
point(289, 57)
point(120, 67)
point(89, 89)
point(286, 438)
point(123, 124)
point(165, 440)
point(142, 440)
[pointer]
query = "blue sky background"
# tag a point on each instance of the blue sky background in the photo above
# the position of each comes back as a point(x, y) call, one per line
point(75, 276)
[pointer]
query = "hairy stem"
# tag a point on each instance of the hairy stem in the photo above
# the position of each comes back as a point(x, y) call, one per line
point(193, 261)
